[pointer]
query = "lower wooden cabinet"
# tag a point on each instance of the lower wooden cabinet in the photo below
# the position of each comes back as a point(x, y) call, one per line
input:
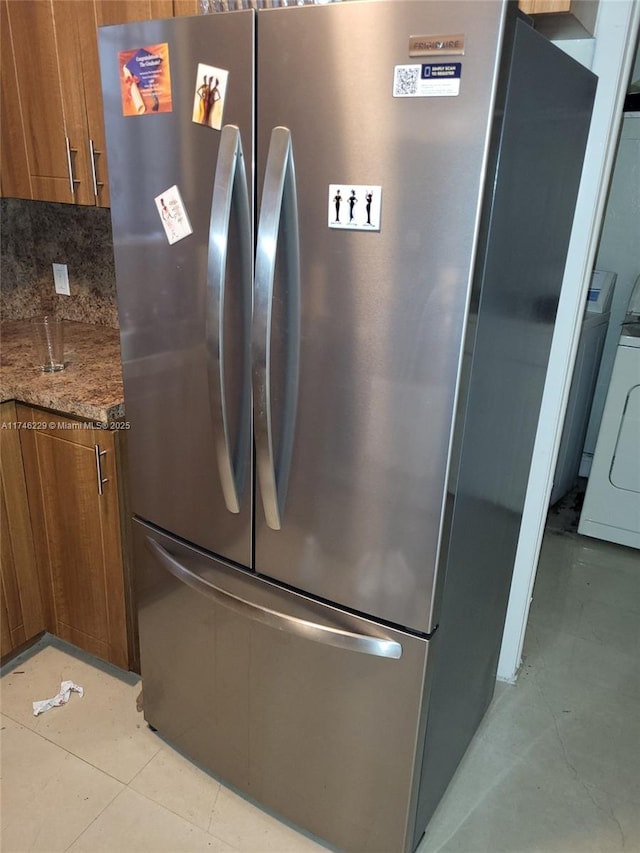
point(22, 611)
point(71, 471)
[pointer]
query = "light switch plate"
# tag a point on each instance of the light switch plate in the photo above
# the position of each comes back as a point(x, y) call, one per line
point(61, 279)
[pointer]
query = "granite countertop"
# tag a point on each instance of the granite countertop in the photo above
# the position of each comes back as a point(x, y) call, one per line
point(89, 387)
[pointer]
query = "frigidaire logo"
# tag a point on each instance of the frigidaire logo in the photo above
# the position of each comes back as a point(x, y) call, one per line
point(436, 45)
point(430, 45)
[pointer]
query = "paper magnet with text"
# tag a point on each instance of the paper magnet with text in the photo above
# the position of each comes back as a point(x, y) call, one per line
point(173, 214)
point(145, 80)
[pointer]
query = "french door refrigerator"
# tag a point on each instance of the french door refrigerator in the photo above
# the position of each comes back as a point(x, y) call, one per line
point(340, 233)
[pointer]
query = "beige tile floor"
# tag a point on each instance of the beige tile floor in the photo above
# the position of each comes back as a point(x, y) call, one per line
point(554, 768)
point(555, 765)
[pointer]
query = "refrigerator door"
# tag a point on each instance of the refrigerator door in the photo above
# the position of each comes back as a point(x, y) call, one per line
point(356, 362)
point(313, 712)
point(185, 305)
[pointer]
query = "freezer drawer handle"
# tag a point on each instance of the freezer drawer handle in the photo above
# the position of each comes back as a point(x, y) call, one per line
point(281, 621)
point(278, 219)
point(229, 193)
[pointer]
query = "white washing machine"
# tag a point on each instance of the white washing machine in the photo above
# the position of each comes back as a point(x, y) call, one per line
point(611, 507)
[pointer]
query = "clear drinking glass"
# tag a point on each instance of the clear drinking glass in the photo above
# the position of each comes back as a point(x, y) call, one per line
point(48, 337)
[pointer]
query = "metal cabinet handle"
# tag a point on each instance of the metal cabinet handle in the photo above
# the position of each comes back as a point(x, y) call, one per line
point(101, 480)
point(313, 631)
point(72, 180)
point(230, 193)
point(93, 153)
point(278, 218)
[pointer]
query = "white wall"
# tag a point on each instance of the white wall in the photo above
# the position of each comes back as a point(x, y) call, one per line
point(613, 53)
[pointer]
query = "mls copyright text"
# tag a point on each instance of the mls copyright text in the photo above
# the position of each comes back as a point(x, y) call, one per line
point(66, 425)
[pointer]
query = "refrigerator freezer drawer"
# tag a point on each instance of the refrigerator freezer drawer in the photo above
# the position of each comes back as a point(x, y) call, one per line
point(312, 711)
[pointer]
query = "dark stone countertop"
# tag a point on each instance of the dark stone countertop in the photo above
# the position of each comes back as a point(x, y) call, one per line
point(89, 387)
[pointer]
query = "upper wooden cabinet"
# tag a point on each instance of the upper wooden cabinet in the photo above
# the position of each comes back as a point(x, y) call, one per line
point(15, 179)
point(186, 7)
point(30, 40)
point(537, 7)
point(563, 18)
point(52, 137)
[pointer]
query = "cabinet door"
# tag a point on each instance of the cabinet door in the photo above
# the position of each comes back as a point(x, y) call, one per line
point(68, 16)
point(537, 7)
point(33, 38)
point(75, 505)
point(22, 613)
point(87, 20)
point(14, 165)
point(186, 7)
point(11, 623)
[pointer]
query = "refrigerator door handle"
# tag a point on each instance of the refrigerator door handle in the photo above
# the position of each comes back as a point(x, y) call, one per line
point(338, 637)
point(278, 218)
point(229, 193)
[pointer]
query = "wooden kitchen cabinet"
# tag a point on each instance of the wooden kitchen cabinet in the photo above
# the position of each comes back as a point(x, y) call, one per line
point(28, 40)
point(537, 7)
point(186, 7)
point(15, 180)
point(22, 615)
point(53, 141)
point(75, 505)
point(563, 16)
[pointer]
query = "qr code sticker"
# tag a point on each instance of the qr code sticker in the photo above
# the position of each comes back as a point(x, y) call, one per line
point(405, 82)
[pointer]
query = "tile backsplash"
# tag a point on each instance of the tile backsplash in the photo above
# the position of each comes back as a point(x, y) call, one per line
point(36, 234)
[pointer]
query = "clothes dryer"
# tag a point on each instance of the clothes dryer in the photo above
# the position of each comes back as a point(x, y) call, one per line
point(611, 507)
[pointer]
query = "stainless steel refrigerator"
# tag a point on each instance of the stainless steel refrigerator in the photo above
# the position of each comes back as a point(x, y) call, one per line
point(340, 234)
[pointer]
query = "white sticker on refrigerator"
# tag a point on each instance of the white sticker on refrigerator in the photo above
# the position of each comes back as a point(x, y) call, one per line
point(173, 215)
point(355, 207)
point(430, 80)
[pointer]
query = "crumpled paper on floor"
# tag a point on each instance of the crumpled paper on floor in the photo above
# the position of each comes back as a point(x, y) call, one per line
point(66, 689)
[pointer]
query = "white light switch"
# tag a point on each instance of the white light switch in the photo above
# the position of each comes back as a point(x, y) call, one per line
point(61, 279)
